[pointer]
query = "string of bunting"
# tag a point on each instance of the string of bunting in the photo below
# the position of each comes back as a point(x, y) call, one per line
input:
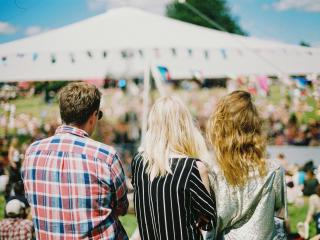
point(128, 54)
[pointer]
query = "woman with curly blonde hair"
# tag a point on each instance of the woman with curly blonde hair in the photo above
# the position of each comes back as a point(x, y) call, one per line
point(249, 189)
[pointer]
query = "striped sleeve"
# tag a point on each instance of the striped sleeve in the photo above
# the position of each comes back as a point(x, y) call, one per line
point(119, 183)
point(133, 167)
point(202, 202)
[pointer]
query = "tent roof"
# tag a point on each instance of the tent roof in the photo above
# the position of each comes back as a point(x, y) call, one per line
point(130, 28)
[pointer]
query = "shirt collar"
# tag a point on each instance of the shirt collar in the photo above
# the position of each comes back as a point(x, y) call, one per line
point(72, 130)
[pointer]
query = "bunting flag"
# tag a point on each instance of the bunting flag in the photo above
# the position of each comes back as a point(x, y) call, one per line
point(72, 58)
point(34, 56)
point(206, 54)
point(223, 53)
point(174, 52)
point(141, 53)
point(122, 83)
point(164, 73)
point(53, 58)
point(89, 53)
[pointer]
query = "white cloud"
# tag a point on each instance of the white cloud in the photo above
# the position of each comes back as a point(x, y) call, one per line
point(97, 4)
point(304, 5)
point(33, 30)
point(7, 28)
point(315, 44)
point(156, 6)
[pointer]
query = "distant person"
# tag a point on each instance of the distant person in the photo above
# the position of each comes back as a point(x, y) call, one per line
point(314, 209)
point(250, 191)
point(14, 155)
point(75, 185)
point(19, 193)
point(283, 161)
point(170, 178)
point(308, 166)
point(310, 183)
point(15, 226)
point(14, 166)
point(298, 175)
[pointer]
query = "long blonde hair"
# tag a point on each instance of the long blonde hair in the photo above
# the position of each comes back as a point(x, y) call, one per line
point(235, 131)
point(171, 130)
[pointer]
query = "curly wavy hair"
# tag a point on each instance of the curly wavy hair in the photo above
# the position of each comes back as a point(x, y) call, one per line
point(235, 131)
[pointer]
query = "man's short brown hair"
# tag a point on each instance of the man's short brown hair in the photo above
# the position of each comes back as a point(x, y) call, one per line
point(77, 102)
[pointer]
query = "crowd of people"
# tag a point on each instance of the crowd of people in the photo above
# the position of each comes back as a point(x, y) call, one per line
point(121, 128)
point(303, 187)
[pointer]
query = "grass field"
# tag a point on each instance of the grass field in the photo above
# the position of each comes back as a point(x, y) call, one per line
point(36, 106)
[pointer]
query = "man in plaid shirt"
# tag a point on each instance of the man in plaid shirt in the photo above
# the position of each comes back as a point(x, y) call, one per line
point(75, 185)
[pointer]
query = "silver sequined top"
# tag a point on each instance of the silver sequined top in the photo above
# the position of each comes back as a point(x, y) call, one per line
point(248, 212)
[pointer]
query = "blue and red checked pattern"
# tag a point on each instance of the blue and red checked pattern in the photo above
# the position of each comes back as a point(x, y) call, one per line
point(16, 229)
point(75, 186)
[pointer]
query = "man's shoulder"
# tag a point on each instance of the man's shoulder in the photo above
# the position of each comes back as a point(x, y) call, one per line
point(102, 151)
point(36, 144)
point(6, 221)
point(26, 223)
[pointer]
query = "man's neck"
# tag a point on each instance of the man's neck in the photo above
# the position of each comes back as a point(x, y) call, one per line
point(82, 127)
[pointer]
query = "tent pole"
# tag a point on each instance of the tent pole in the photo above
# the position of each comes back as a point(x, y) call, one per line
point(157, 78)
point(146, 91)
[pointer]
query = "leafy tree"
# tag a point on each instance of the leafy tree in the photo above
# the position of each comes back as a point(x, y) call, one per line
point(216, 10)
point(305, 44)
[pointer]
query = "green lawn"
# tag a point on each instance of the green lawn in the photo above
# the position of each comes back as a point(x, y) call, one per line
point(2, 204)
point(276, 97)
point(298, 214)
point(34, 105)
point(129, 223)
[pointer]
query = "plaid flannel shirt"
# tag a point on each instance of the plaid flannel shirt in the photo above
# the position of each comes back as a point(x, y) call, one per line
point(75, 186)
point(16, 229)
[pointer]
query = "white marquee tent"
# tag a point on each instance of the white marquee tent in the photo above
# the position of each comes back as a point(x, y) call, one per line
point(120, 42)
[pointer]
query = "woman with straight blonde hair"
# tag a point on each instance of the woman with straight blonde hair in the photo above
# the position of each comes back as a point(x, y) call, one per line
point(170, 181)
point(249, 189)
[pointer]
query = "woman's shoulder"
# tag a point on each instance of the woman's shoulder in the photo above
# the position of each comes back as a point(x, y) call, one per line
point(182, 159)
point(185, 162)
point(273, 166)
point(137, 158)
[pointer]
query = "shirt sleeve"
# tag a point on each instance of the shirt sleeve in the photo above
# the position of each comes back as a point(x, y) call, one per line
point(119, 183)
point(202, 202)
point(281, 192)
point(133, 167)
